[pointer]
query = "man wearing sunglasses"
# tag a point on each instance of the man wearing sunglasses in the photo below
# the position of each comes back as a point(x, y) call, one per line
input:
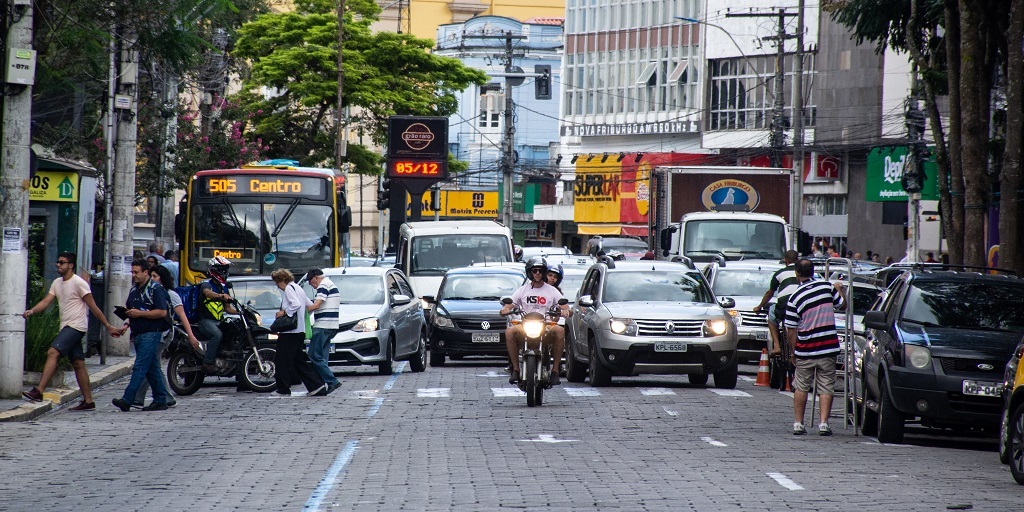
point(75, 300)
point(535, 295)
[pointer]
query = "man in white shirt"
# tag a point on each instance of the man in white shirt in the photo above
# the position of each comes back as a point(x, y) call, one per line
point(326, 304)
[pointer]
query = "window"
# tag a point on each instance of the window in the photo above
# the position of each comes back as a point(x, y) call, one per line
point(825, 205)
point(743, 93)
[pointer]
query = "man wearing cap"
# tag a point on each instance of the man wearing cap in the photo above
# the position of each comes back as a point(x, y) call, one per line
point(326, 303)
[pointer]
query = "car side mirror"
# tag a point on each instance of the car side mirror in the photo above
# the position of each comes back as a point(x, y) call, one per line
point(875, 320)
point(727, 303)
point(398, 299)
point(586, 301)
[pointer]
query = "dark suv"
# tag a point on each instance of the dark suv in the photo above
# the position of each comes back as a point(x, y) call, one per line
point(936, 349)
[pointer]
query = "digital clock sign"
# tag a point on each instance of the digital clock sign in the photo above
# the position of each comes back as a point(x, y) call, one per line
point(405, 168)
point(261, 185)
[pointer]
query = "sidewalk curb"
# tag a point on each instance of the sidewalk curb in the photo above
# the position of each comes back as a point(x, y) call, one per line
point(58, 397)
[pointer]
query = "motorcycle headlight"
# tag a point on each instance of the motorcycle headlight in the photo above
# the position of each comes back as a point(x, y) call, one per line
point(624, 326)
point(259, 319)
point(443, 321)
point(716, 327)
point(533, 328)
point(918, 356)
point(366, 325)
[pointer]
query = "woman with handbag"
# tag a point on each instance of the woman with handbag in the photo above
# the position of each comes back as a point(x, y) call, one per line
point(291, 360)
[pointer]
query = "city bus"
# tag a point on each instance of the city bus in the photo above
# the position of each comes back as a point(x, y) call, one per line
point(262, 218)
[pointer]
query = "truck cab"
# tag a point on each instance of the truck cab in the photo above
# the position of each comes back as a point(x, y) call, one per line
point(701, 236)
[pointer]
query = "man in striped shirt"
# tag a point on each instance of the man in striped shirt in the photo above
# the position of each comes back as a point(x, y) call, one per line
point(811, 322)
point(326, 304)
point(783, 283)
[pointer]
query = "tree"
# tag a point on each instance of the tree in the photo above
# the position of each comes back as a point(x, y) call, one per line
point(293, 80)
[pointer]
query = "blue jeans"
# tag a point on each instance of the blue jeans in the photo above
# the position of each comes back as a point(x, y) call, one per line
point(318, 354)
point(147, 366)
point(165, 341)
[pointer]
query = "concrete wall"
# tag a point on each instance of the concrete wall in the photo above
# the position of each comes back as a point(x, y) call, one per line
point(865, 230)
point(847, 88)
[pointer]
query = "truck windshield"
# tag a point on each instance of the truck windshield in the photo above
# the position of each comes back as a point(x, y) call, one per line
point(734, 238)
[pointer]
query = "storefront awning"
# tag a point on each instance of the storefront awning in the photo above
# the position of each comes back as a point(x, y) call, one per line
point(635, 230)
point(612, 229)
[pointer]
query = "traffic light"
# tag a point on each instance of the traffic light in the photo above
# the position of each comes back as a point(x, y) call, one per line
point(435, 199)
point(542, 84)
point(384, 194)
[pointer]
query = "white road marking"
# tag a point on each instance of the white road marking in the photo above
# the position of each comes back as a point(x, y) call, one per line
point(327, 482)
point(434, 392)
point(547, 438)
point(657, 391)
point(582, 392)
point(712, 442)
point(747, 379)
point(784, 481)
point(506, 392)
point(787, 393)
point(671, 412)
point(728, 392)
point(491, 373)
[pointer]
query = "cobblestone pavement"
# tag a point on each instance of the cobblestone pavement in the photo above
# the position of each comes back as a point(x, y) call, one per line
point(460, 438)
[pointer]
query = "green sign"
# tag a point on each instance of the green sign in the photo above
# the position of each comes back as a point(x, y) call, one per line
point(885, 172)
point(524, 197)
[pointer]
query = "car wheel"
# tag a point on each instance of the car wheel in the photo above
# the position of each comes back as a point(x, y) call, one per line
point(890, 420)
point(574, 370)
point(418, 361)
point(698, 379)
point(384, 368)
point(599, 374)
point(1016, 448)
point(726, 377)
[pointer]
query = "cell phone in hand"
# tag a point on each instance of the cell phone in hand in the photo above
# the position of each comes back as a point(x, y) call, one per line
point(121, 312)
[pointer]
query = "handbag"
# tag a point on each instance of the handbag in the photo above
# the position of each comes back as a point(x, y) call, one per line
point(285, 323)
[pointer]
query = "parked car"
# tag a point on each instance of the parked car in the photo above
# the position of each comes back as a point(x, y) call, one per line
point(649, 317)
point(746, 283)
point(630, 248)
point(379, 321)
point(937, 347)
point(865, 295)
point(1011, 428)
point(465, 319)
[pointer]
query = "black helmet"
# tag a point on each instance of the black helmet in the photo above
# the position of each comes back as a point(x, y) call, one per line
point(537, 262)
point(557, 269)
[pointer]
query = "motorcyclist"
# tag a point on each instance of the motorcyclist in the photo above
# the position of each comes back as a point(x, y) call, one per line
point(534, 296)
point(555, 275)
point(215, 302)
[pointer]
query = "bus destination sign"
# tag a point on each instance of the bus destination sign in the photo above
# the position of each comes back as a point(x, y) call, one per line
point(261, 185)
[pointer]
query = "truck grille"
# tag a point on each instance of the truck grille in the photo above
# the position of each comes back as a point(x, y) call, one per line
point(675, 328)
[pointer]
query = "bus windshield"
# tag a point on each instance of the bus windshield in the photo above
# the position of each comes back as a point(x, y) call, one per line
point(436, 254)
point(261, 237)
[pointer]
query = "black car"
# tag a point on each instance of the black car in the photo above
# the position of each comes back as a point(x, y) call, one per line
point(937, 346)
point(466, 319)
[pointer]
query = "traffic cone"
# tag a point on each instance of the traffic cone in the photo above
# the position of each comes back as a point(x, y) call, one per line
point(787, 378)
point(763, 371)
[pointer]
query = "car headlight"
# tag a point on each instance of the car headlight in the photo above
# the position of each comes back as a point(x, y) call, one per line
point(716, 327)
point(533, 328)
point(443, 321)
point(366, 325)
point(624, 326)
point(737, 318)
point(918, 356)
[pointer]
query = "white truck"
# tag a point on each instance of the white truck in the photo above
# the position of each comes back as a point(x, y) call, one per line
point(733, 212)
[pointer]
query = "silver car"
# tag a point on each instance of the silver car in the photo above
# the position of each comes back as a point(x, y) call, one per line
point(649, 317)
point(746, 283)
point(380, 320)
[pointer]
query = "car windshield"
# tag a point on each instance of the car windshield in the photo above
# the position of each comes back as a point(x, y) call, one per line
point(742, 283)
point(966, 305)
point(480, 286)
point(654, 287)
point(571, 286)
point(258, 294)
point(359, 289)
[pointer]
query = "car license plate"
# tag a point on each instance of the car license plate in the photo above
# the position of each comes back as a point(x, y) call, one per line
point(840, 358)
point(979, 388)
point(669, 346)
point(479, 337)
point(761, 336)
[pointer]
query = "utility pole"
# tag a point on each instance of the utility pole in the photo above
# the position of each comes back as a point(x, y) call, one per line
point(341, 142)
point(797, 188)
point(122, 214)
point(14, 185)
point(507, 140)
point(913, 169)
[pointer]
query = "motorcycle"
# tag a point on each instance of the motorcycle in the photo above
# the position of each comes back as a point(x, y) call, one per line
point(535, 358)
point(245, 353)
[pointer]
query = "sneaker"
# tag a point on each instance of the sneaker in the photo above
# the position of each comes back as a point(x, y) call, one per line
point(91, 406)
point(172, 403)
point(122, 404)
point(33, 394)
point(554, 379)
point(320, 391)
point(513, 377)
point(332, 387)
point(798, 429)
point(824, 430)
point(155, 407)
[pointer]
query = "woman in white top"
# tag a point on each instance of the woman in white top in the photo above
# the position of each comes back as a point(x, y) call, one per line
point(291, 360)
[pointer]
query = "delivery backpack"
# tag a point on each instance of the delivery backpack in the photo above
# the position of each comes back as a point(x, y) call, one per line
point(190, 301)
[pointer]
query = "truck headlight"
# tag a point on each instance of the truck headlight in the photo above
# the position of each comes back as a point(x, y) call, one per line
point(716, 327)
point(624, 326)
point(366, 325)
point(533, 328)
point(918, 356)
point(444, 322)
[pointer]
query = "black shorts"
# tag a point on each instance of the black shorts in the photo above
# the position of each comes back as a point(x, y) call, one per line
point(69, 343)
